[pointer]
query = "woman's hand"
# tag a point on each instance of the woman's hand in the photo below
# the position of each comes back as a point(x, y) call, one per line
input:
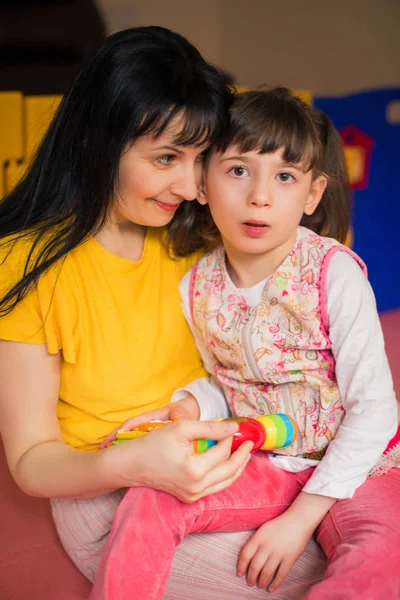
point(187, 408)
point(165, 459)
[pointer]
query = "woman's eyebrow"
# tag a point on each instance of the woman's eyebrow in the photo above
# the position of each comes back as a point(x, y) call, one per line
point(173, 148)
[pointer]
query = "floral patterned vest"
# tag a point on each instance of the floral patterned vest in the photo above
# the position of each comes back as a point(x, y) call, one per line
point(275, 356)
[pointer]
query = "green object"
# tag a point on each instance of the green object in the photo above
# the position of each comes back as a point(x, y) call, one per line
point(202, 446)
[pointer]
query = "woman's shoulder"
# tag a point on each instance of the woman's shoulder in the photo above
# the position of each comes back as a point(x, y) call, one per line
point(15, 247)
point(15, 252)
point(182, 264)
point(21, 319)
point(22, 254)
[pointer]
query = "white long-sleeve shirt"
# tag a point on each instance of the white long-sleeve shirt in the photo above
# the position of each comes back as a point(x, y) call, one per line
point(363, 377)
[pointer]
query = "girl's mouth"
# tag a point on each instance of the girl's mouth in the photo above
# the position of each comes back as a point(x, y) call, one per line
point(255, 228)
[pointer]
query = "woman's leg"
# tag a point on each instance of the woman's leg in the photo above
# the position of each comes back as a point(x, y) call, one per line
point(204, 568)
point(83, 525)
point(149, 525)
point(361, 538)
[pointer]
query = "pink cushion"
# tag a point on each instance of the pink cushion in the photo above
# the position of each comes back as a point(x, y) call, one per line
point(33, 564)
point(390, 321)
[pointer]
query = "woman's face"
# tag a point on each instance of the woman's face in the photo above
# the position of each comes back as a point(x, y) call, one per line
point(155, 177)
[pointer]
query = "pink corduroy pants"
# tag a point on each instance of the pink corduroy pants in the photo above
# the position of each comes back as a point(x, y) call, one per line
point(361, 536)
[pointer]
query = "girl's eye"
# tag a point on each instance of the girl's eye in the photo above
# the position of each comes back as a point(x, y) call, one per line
point(285, 177)
point(166, 159)
point(239, 172)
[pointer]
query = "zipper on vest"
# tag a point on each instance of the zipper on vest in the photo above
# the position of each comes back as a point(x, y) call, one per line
point(248, 348)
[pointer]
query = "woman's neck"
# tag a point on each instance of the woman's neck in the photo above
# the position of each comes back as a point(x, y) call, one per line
point(122, 238)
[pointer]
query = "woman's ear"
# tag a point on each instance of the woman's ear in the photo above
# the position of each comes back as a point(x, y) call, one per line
point(317, 189)
point(201, 193)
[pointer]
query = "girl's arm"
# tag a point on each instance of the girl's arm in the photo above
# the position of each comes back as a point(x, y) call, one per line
point(364, 381)
point(370, 421)
point(207, 390)
point(42, 464)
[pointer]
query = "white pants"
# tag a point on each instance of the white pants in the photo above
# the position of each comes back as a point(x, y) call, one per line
point(204, 567)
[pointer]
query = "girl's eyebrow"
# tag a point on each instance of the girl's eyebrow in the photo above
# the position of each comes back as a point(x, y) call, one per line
point(297, 166)
point(281, 164)
point(236, 157)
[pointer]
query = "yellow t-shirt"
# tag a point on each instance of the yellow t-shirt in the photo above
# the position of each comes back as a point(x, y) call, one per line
point(124, 340)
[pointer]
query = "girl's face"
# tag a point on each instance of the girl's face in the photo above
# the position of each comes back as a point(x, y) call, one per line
point(155, 177)
point(257, 200)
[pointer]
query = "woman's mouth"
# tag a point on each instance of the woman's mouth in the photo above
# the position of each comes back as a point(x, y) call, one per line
point(255, 228)
point(167, 207)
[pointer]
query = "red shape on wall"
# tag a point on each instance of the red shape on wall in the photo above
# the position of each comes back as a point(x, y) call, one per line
point(358, 147)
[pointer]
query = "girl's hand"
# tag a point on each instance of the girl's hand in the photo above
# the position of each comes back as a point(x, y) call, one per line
point(165, 459)
point(271, 552)
point(187, 408)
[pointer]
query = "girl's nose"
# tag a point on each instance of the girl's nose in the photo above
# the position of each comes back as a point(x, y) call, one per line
point(260, 197)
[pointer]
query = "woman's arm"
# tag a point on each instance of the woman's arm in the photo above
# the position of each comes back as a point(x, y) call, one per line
point(40, 461)
point(43, 465)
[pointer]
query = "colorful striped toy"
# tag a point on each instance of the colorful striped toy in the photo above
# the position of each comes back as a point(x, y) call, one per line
point(267, 432)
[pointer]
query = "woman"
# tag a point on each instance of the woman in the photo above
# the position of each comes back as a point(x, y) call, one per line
point(91, 328)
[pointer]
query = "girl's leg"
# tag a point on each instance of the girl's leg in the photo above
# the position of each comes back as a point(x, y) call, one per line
point(149, 525)
point(361, 538)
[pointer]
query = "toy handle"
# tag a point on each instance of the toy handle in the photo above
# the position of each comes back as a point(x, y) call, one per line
point(267, 432)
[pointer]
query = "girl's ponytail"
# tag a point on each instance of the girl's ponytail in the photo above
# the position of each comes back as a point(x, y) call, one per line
point(332, 216)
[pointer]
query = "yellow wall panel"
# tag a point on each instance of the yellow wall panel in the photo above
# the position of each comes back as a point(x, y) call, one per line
point(11, 131)
point(37, 113)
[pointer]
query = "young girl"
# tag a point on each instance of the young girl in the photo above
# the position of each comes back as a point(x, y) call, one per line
point(285, 321)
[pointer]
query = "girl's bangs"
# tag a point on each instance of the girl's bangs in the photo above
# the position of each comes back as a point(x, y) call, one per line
point(265, 124)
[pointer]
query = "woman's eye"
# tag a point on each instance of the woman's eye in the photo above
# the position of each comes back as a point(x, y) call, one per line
point(166, 159)
point(285, 177)
point(238, 172)
point(200, 157)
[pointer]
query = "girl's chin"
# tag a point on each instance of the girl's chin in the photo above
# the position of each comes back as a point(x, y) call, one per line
point(246, 246)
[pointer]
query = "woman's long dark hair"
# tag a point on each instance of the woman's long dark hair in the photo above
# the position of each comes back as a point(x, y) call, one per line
point(135, 84)
point(268, 119)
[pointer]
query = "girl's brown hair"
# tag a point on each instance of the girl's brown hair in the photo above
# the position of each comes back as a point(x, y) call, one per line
point(268, 119)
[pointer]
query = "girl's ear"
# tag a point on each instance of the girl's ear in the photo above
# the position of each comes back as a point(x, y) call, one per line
point(201, 194)
point(317, 189)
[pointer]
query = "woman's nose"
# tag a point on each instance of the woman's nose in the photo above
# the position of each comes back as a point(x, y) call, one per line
point(187, 184)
